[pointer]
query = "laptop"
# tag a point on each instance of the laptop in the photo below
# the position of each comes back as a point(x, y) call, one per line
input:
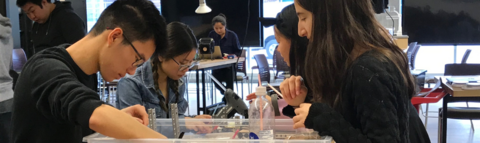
point(215, 55)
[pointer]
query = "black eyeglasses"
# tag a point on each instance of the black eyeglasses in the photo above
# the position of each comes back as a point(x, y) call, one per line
point(139, 60)
point(184, 67)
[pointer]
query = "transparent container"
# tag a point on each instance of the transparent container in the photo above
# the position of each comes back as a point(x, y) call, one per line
point(261, 116)
point(224, 131)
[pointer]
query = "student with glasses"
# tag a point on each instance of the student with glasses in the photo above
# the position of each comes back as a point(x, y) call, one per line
point(159, 82)
point(53, 101)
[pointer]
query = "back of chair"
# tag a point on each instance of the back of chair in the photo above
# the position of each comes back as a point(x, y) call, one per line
point(241, 66)
point(410, 49)
point(413, 57)
point(19, 59)
point(462, 69)
point(281, 65)
point(263, 68)
point(465, 56)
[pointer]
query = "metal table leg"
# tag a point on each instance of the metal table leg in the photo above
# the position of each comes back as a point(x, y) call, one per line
point(203, 92)
point(444, 119)
point(198, 92)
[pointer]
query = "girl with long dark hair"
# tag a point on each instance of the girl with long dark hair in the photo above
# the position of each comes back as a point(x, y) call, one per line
point(359, 78)
point(292, 47)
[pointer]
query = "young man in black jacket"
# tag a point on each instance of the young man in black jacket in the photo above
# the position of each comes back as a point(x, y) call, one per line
point(52, 98)
point(55, 24)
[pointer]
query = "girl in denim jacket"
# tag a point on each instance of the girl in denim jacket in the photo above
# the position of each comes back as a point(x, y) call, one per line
point(158, 82)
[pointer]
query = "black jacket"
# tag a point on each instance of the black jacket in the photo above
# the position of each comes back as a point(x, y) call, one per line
point(63, 26)
point(374, 108)
point(53, 99)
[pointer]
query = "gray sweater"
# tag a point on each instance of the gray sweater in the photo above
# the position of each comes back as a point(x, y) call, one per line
point(6, 47)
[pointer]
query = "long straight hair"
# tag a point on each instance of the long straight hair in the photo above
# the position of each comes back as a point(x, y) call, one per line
point(286, 23)
point(341, 31)
point(181, 40)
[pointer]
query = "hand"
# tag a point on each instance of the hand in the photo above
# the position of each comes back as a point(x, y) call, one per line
point(293, 90)
point(203, 117)
point(301, 115)
point(138, 112)
point(198, 126)
point(252, 97)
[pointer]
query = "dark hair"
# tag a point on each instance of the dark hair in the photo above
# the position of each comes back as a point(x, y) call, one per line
point(181, 40)
point(21, 3)
point(339, 27)
point(140, 20)
point(287, 25)
point(220, 18)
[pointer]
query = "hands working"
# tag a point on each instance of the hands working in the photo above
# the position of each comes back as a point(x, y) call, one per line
point(198, 126)
point(294, 90)
point(138, 112)
point(301, 115)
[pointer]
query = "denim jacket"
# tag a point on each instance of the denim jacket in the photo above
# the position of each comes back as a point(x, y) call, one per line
point(140, 89)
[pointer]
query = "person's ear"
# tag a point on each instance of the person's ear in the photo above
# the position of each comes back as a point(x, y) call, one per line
point(114, 37)
point(43, 3)
point(160, 58)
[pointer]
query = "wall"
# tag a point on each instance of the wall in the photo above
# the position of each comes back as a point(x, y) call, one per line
point(79, 6)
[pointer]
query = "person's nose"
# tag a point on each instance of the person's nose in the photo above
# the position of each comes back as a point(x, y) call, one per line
point(131, 70)
point(302, 33)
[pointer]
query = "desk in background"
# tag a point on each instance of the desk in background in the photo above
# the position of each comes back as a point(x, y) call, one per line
point(455, 94)
point(401, 41)
point(211, 65)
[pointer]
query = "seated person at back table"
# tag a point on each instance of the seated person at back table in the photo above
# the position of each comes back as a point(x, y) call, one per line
point(228, 42)
point(158, 82)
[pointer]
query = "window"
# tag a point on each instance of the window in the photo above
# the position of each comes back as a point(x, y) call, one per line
point(434, 58)
point(270, 9)
point(96, 7)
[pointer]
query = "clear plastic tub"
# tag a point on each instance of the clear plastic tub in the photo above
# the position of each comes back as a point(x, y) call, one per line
point(223, 131)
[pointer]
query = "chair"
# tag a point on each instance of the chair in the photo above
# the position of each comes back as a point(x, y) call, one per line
point(19, 59)
point(465, 56)
point(279, 65)
point(257, 67)
point(263, 67)
point(461, 112)
point(241, 69)
point(411, 47)
point(413, 57)
point(452, 69)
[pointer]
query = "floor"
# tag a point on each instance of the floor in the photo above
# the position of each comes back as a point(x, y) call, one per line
point(459, 131)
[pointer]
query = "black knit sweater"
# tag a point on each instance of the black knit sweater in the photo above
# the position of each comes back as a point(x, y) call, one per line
point(374, 108)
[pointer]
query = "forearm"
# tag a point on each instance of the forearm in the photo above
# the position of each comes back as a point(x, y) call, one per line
point(114, 123)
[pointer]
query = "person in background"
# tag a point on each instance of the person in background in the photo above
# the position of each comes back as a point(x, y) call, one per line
point(228, 42)
point(54, 24)
point(159, 82)
point(359, 79)
point(52, 99)
point(6, 82)
point(292, 48)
